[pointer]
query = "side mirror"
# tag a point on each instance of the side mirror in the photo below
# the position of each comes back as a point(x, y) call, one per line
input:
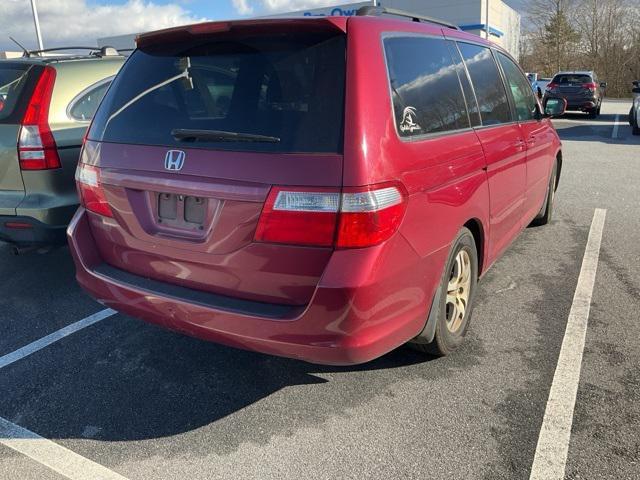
point(554, 107)
point(635, 90)
point(603, 84)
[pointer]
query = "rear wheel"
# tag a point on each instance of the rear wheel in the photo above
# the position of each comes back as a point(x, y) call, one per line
point(546, 212)
point(635, 129)
point(593, 113)
point(455, 304)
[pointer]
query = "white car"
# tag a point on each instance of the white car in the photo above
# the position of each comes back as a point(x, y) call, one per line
point(634, 114)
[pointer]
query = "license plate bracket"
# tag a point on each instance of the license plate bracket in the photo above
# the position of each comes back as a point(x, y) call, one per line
point(181, 211)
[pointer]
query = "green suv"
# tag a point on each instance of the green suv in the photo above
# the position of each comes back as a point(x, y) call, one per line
point(46, 104)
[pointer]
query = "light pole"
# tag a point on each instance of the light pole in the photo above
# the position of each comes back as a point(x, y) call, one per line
point(34, 9)
point(486, 20)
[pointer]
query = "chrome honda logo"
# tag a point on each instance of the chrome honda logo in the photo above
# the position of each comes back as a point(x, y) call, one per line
point(174, 160)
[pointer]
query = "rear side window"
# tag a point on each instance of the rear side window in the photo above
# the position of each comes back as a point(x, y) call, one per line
point(521, 91)
point(572, 79)
point(289, 88)
point(83, 107)
point(427, 96)
point(12, 82)
point(487, 82)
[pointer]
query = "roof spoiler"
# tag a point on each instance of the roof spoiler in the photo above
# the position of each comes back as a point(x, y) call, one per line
point(105, 51)
point(233, 27)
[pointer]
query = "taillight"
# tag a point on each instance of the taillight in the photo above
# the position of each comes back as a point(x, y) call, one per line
point(551, 86)
point(590, 86)
point(351, 218)
point(36, 147)
point(369, 217)
point(90, 189)
point(299, 216)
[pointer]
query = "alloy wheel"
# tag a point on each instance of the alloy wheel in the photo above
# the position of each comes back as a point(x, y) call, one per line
point(458, 291)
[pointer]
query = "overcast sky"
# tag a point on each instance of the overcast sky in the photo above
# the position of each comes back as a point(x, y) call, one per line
point(67, 22)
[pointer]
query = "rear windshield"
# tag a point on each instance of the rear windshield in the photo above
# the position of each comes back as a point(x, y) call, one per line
point(12, 81)
point(572, 79)
point(279, 94)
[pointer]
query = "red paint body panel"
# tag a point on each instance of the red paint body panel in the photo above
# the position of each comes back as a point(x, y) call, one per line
point(351, 305)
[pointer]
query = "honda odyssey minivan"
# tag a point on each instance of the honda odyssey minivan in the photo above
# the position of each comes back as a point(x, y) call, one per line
point(325, 189)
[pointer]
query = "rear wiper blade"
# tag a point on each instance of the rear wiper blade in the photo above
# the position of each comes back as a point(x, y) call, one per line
point(188, 135)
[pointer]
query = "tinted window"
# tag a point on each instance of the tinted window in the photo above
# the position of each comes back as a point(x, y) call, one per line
point(572, 79)
point(290, 87)
point(487, 82)
point(521, 92)
point(472, 104)
point(84, 107)
point(12, 81)
point(426, 91)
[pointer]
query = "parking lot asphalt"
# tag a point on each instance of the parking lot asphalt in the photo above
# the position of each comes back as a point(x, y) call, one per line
point(150, 404)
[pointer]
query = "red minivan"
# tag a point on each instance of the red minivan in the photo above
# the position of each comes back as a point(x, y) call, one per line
point(322, 188)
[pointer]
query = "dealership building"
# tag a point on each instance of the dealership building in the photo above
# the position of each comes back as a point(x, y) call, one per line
point(487, 18)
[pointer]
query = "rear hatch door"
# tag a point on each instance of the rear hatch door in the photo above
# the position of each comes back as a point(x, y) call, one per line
point(191, 137)
point(572, 86)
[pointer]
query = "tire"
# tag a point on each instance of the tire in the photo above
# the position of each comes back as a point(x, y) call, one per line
point(631, 117)
point(635, 129)
point(592, 113)
point(451, 324)
point(598, 110)
point(546, 212)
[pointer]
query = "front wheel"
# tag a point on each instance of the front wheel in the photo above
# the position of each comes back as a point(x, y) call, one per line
point(455, 303)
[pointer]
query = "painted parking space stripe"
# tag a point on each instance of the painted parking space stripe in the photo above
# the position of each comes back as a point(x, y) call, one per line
point(52, 455)
point(553, 443)
point(33, 347)
point(616, 126)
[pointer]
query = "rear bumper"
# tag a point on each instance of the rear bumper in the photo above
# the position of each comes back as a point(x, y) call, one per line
point(579, 104)
point(42, 218)
point(368, 303)
point(27, 231)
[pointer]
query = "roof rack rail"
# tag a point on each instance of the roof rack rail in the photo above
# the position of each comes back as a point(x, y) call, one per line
point(97, 51)
point(377, 11)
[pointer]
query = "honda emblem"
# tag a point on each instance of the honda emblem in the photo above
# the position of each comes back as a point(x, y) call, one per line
point(174, 160)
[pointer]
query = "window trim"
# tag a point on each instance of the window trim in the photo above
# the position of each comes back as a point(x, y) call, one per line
point(75, 100)
point(424, 136)
point(473, 88)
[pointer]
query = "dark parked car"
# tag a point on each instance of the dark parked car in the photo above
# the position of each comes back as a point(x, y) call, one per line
point(321, 188)
point(581, 90)
point(46, 104)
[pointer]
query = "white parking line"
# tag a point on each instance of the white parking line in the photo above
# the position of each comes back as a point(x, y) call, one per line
point(616, 125)
point(33, 347)
point(54, 456)
point(553, 443)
